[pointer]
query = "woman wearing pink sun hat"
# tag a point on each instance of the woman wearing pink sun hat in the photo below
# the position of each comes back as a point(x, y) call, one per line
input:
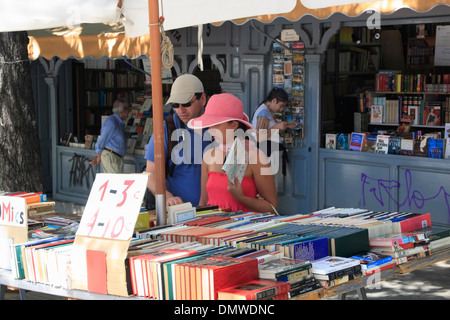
point(223, 117)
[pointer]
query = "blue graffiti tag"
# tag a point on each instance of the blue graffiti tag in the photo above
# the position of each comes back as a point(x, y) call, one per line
point(413, 198)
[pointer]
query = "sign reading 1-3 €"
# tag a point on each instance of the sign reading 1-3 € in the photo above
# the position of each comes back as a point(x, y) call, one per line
point(113, 206)
point(13, 211)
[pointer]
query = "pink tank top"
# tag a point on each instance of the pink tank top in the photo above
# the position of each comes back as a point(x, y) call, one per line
point(218, 194)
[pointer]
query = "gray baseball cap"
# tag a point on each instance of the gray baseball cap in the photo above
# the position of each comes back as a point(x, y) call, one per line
point(184, 87)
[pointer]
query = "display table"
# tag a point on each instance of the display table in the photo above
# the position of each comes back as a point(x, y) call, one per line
point(341, 290)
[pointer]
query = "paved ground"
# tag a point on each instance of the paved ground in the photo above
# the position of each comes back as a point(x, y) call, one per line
point(429, 283)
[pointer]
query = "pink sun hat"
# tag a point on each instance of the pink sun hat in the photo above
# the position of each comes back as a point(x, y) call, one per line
point(221, 108)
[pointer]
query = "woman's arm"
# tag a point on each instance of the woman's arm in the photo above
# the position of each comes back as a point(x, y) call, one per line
point(204, 179)
point(265, 185)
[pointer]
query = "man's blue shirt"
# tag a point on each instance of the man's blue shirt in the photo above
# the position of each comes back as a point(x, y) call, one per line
point(112, 135)
point(188, 153)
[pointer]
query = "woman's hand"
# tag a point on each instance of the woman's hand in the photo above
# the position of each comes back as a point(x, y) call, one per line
point(236, 189)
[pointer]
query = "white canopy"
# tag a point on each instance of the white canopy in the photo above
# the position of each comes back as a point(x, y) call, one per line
point(32, 15)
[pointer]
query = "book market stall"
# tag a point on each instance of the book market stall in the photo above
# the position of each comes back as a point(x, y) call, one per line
point(210, 253)
point(207, 253)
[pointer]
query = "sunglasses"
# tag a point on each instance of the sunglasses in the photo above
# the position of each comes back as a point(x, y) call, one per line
point(198, 95)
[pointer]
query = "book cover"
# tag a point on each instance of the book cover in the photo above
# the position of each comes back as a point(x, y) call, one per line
point(309, 250)
point(436, 148)
point(88, 141)
point(382, 144)
point(278, 267)
point(254, 290)
point(357, 141)
point(421, 146)
point(376, 114)
point(236, 161)
point(330, 141)
point(398, 239)
point(370, 143)
point(412, 223)
point(370, 260)
point(394, 145)
point(331, 264)
point(406, 147)
point(433, 117)
point(342, 141)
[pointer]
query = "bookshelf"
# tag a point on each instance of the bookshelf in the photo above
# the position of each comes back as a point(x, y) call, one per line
point(98, 84)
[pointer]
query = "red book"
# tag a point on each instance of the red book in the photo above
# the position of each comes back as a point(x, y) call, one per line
point(96, 271)
point(227, 272)
point(414, 223)
point(255, 290)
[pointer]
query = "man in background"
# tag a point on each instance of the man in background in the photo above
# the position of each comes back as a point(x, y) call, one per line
point(111, 145)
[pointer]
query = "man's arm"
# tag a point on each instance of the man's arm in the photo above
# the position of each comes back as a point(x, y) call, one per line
point(171, 200)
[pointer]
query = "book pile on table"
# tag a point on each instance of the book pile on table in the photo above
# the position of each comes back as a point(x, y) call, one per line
point(407, 246)
point(188, 272)
point(331, 271)
point(297, 273)
point(372, 262)
point(260, 289)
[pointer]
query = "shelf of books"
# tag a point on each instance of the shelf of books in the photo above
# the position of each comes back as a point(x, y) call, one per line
point(215, 254)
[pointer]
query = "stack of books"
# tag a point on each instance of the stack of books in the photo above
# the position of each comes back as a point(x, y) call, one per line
point(295, 272)
point(260, 289)
point(372, 262)
point(331, 271)
point(407, 246)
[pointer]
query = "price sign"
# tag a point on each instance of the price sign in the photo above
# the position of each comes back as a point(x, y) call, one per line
point(113, 206)
point(13, 211)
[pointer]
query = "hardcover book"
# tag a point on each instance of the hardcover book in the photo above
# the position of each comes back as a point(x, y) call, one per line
point(332, 264)
point(275, 268)
point(309, 250)
point(254, 290)
point(333, 267)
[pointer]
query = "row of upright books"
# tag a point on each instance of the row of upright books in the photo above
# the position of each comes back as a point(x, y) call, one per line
point(411, 109)
point(395, 81)
point(427, 145)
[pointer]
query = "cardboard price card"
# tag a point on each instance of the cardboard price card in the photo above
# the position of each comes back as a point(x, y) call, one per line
point(13, 211)
point(113, 206)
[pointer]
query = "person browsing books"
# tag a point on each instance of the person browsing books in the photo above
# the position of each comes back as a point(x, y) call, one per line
point(226, 121)
point(268, 129)
point(263, 117)
point(111, 146)
point(183, 165)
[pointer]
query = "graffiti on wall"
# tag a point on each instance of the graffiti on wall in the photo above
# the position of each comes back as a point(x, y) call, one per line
point(81, 171)
point(384, 191)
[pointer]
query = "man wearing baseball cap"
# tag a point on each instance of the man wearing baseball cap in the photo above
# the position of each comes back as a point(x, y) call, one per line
point(183, 165)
